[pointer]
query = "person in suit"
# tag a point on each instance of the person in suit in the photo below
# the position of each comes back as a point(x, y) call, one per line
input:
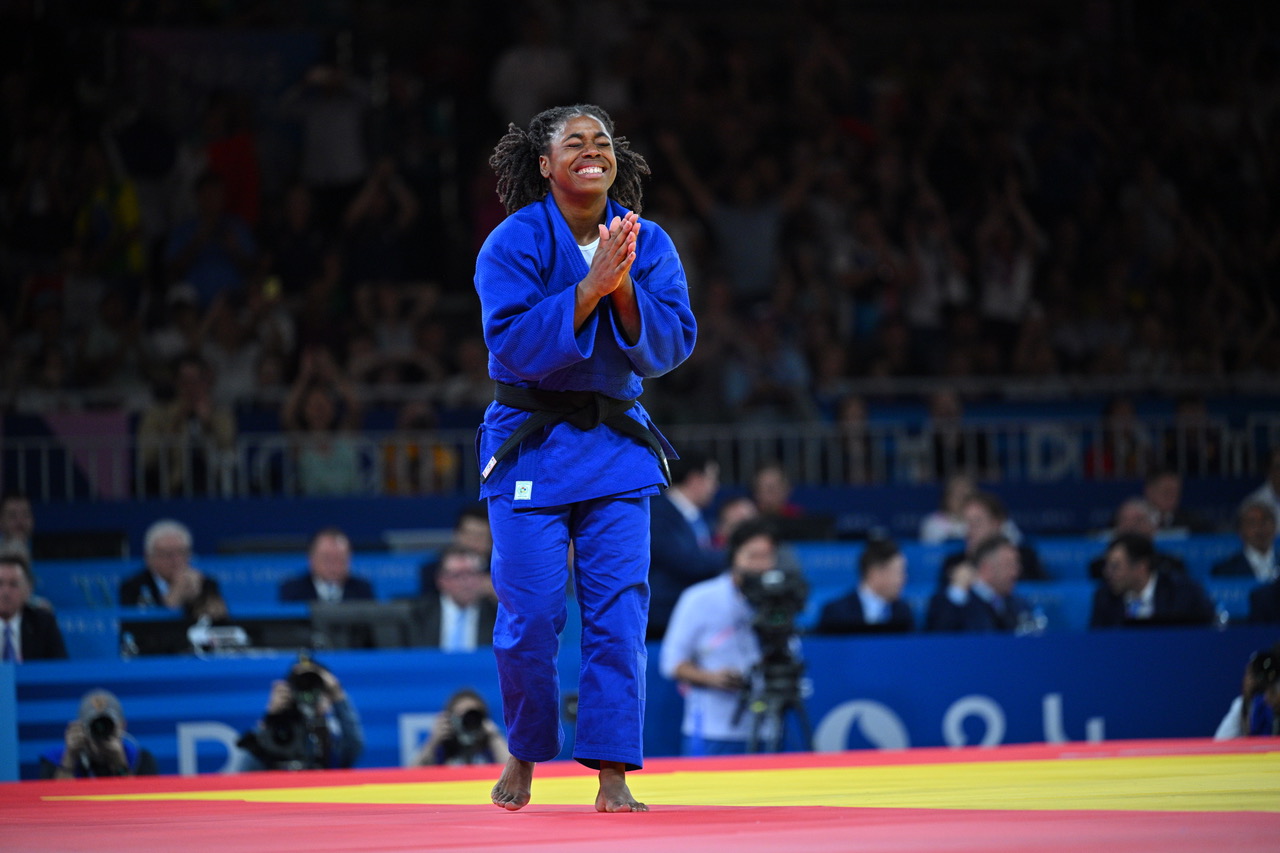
point(167, 578)
point(328, 576)
point(1163, 490)
point(1264, 602)
point(984, 515)
point(981, 595)
point(461, 614)
point(26, 632)
point(17, 522)
point(1134, 592)
point(876, 604)
point(1136, 515)
point(470, 531)
point(681, 543)
point(1256, 526)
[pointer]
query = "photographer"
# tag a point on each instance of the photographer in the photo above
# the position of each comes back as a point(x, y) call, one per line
point(713, 642)
point(310, 724)
point(97, 744)
point(464, 733)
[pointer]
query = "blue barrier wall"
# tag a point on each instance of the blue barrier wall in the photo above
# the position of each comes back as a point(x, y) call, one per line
point(866, 692)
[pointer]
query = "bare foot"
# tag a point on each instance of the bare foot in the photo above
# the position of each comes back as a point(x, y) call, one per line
point(614, 794)
point(512, 790)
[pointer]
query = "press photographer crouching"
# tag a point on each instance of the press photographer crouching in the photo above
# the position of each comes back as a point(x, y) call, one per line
point(464, 733)
point(310, 724)
point(97, 744)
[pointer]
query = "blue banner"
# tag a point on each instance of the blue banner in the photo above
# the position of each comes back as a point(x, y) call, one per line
point(866, 692)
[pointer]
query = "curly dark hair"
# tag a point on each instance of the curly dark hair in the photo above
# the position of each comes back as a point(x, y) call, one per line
point(515, 159)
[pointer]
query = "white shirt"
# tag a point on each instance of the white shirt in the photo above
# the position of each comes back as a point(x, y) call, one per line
point(711, 628)
point(458, 626)
point(1232, 726)
point(874, 608)
point(1263, 563)
point(16, 624)
point(691, 514)
point(1142, 605)
point(326, 590)
point(589, 250)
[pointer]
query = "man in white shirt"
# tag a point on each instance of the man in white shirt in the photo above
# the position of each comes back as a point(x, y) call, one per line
point(711, 647)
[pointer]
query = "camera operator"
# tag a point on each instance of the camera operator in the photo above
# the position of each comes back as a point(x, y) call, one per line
point(713, 643)
point(310, 724)
point(97, 744)
point(464, 733)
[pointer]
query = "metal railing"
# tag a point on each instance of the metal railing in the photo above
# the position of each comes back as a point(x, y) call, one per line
point(442, 462)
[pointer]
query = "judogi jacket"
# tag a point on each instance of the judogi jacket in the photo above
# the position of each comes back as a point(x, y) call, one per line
point(526, 276)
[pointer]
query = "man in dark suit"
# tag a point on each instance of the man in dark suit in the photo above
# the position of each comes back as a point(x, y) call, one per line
point(1264, 603)
point(1163, 490)
point(461, 615)
point(1256, 526)
point(1136, 515)
point(980, 596)
point(681, 550)
point(1134, 592)
point(168, 579)
point(328, 576)
point(876, 604)
point(471, 531)
point(26, 632)
point(985, 516)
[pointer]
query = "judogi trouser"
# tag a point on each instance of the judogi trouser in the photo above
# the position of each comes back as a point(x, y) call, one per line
point(530, 575)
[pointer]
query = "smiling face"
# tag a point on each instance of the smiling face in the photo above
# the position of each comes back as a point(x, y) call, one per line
point(579, 161)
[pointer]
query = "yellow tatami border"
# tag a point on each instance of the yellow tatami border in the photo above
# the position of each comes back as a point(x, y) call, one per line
point(1200, 783)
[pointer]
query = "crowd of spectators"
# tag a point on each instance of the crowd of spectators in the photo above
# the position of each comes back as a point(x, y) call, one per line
point(1058, 196)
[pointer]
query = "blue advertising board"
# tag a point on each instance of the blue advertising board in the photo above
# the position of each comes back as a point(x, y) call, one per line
point(866, 692)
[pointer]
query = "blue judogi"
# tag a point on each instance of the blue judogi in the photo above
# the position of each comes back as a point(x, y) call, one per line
point(564, 483)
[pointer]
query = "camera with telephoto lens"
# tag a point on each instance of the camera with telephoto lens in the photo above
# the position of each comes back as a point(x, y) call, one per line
point(776, 597)
point(295, 737)
point(101, 727)
point(306, 683)
point(468, 729)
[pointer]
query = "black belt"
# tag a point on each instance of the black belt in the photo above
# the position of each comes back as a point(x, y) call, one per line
point(583, 409)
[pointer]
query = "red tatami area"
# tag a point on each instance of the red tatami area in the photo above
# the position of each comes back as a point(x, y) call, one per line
point(1118, 796)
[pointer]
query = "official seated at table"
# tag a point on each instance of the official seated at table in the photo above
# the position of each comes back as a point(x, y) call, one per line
point(876, 604)
point(461, 615)
point(1134, 592)
point(328, 576)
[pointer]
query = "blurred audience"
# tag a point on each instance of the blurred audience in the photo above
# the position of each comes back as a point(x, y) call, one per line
point(185, 444)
